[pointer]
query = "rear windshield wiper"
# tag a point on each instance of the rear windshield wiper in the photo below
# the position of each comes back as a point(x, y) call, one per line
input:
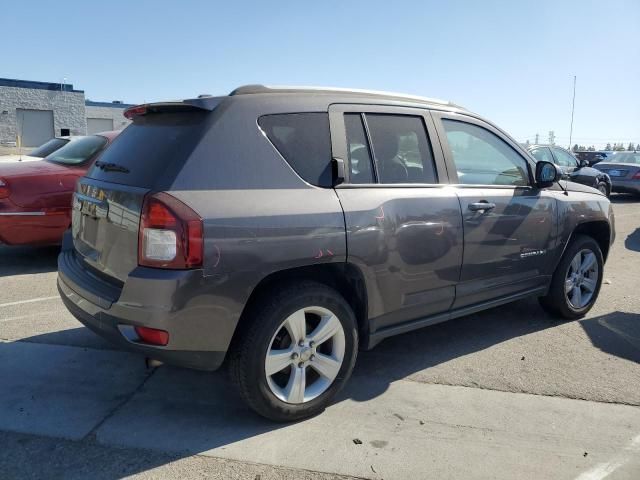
point(111, 167)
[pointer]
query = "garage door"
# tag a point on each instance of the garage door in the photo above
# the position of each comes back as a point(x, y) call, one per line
point(95, 125)
point(34, 126)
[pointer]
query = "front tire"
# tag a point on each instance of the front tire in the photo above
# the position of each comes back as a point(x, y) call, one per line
point(602, 187)
point(296, 352)
point(576, 282)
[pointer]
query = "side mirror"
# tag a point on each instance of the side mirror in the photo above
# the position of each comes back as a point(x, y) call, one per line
point(583, 163)
point(546, 174)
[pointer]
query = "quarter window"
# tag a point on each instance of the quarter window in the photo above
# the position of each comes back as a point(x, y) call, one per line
point(401, 149)
point(304, 142)
point(482, 158)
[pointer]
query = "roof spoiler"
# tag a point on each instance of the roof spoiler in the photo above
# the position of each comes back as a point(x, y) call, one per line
point(201, 103)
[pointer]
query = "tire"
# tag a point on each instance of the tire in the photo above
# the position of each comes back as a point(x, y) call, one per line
point(602, 187)
point(270, 326)
point(563, 299)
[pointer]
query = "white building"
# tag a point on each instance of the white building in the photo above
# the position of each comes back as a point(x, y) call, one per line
point(33, 112)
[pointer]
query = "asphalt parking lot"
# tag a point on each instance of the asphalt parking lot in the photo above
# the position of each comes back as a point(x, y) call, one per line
point(507, 393)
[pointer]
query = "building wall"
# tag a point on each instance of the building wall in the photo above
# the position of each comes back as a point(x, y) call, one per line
point(68, 109)
point(113, 112)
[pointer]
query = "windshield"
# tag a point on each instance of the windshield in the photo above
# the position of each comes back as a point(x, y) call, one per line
point(49, 147)
point(627, 157)
point(79, 151)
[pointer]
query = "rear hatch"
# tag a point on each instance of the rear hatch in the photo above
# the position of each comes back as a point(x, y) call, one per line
point(108, 201)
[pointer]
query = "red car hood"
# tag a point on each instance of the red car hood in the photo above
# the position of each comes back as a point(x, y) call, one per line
point(40, 185)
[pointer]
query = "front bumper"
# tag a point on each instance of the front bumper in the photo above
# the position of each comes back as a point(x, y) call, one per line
point(175, 301)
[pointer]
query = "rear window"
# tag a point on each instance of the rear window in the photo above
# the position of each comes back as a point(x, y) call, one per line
point(79, 151)
point(48, 147)
point(304, 142)
point(154, 147)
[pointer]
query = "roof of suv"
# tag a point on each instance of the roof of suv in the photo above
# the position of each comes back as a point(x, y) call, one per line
point(257, 89)
point(210, 102)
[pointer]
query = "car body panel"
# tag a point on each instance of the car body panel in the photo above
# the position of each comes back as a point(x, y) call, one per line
point(260, 218)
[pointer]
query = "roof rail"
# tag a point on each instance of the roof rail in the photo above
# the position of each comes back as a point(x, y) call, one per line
point(252, 89)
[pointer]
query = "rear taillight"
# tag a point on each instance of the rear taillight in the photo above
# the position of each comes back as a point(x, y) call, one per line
point(4, 189)
point(636, 176)
point(152, 336)
point(170, 234)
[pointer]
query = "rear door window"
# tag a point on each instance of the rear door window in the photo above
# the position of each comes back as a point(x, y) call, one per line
point(401, 149)
point(304, 141)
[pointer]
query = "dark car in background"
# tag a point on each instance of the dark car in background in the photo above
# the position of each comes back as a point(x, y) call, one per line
point(572, 169)
point(624, 170)
point(592, 157)
point(278, 230)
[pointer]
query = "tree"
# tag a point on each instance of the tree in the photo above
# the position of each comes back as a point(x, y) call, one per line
point(631, 147)
point(591, 149)
point(608, 147)
point(575, 148)
point(618, 147)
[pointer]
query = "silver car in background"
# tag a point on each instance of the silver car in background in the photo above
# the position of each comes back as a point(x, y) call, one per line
point(624, 170)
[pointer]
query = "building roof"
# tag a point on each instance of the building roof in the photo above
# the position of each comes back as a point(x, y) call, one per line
point(91, 103)
point(31, 84)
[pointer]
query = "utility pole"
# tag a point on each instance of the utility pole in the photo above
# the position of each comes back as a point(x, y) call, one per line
point(552, 138)
point(573, 106)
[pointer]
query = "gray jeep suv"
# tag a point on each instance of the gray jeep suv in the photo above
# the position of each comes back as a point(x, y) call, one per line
point(279, 230)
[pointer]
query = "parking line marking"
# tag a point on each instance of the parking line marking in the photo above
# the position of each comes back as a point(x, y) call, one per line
point(32, 300)
point(604, 469)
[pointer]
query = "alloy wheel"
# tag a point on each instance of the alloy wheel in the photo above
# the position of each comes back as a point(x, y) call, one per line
point(581, 280)
point(305, 355)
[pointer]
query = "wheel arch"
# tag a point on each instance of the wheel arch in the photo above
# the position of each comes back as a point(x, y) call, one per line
point(599, 230)
point(346, 278)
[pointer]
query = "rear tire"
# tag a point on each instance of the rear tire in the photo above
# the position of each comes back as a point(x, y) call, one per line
point(576, 282)
point(278, 368)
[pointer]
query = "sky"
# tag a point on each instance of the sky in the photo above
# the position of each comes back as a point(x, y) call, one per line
point(511, 61)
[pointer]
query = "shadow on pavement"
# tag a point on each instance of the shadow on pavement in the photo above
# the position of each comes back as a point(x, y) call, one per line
point(21, 260)
point(616, 333)
point(624, 198)
point(632, 242)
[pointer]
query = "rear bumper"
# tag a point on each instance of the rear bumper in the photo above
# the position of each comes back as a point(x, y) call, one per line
point(626, 186)
point(176, 301)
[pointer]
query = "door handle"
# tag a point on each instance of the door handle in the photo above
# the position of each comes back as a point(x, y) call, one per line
point(481, 206)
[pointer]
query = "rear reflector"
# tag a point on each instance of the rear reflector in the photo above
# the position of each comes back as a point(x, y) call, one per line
point(152, 336)
point(4, 189)
point(636, 176)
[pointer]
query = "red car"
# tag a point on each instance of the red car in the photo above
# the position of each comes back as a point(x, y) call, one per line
point(35, 197)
